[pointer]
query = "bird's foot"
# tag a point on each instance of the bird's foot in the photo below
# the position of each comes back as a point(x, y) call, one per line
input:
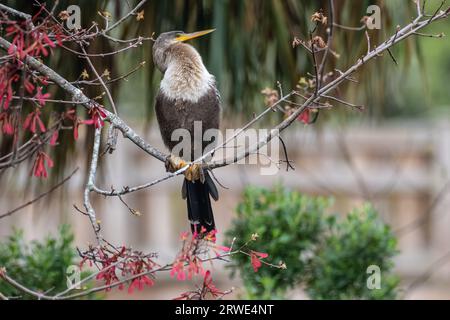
point(174, 163)
point(193, 173)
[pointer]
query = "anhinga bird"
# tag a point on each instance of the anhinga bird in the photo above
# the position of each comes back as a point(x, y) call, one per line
point(187, 94)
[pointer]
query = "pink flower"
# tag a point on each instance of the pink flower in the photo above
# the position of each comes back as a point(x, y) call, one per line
point(54, 138)
point(47, 40)
point(184, 235)
point(211, 236)
point(43, 80)
point(255, 259)
point(29, 86)
point(6, 82)
point(17, 45)
point(209, 286)
point(41, 97)
point(178, 269)
point(71, 114)
point(139, 283)
point(37, 41)
point(201, 293)
point(32, 120)
point(218, 250)
point(194, 267)
point(223, 248)
point(146, 280)
point(7, 126)
point(40, 162)
point(304, 116)
point(97, 115)
point(60, 38)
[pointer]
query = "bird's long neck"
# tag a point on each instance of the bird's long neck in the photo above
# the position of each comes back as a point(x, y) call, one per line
point(186, 77)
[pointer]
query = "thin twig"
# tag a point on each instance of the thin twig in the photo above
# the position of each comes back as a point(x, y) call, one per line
point(329, 41)
point(358, 107)
point(424, 217)
point(122, 77)
point(42, 195)
point(368, 41)
point(132, 12)
point(349, 28)
point(436, 265)
point(313, 53)
point(392, 56)
point(439, 35)
point(99, 78)
point(288, 162)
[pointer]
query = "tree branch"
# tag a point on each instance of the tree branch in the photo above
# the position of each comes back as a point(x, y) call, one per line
point(90, 185)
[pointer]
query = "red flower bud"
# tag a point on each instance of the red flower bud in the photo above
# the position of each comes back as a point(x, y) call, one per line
point(39, 166)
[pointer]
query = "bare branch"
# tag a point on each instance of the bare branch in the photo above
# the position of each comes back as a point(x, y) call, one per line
point(132, 12)
point(90, 185)
point(15, 12)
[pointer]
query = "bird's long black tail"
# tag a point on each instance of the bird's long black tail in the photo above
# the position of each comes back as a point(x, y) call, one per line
point(197, 195)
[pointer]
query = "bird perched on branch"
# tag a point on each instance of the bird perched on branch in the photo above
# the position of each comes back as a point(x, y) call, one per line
point(187, 97)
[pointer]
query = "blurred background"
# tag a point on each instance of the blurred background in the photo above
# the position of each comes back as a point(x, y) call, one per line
point(395, 154)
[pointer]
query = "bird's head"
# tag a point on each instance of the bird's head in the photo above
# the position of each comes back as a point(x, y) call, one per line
point(162, 48)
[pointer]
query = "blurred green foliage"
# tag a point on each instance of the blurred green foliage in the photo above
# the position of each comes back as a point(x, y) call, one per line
point(337, 270)
point(39, 265)
point(325, 254)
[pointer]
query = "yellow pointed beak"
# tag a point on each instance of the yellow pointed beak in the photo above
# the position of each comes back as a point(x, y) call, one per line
point(189, 36)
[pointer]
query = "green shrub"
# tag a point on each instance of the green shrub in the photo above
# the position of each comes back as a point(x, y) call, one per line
point(326, 255)
point(39, 266)
point(338, 269)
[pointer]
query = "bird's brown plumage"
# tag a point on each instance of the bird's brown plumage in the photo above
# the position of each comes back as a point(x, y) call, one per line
point(187, 95)
point(175, 114)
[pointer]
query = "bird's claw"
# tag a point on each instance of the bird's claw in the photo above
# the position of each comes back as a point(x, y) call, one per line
point(174, 163)
point(193, 173)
